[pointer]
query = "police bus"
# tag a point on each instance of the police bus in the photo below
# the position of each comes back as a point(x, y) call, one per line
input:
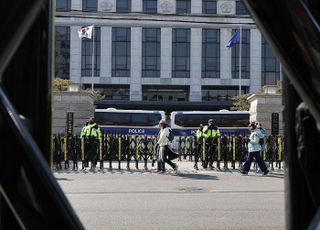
point(188, 122)
point(130, 122)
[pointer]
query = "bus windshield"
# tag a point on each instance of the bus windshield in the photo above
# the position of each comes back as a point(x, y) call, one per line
point(127, 118)
point(221, 120)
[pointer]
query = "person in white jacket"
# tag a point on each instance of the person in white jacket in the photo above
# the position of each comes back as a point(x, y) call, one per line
point(165, 154)
point(254, 149)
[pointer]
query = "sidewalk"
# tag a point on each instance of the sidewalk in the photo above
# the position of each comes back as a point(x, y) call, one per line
point(184, 167)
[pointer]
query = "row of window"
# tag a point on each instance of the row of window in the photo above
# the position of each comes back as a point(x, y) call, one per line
point(171, 93)
point(151, 54)
point(150, 6)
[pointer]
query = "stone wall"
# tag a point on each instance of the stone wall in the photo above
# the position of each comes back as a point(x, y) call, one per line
point(263, 104)
point(80, 103)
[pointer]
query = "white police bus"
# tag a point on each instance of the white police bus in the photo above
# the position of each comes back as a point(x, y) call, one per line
point(188, 122)
point(130, 122)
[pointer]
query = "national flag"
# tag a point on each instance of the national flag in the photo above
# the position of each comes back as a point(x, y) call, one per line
point(85, 32)
point(234, 39)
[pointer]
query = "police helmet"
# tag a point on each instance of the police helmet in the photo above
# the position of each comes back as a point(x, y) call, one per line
point(210, 121)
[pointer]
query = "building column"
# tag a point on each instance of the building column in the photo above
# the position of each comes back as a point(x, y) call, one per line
point(225, 54)
point(106, 52)
point(76, 5)
point(195, 68)
point(255, 60)
point(166, 53)
point(196, 7)
point(136, 6)
point(75, 55)
point(136, 62)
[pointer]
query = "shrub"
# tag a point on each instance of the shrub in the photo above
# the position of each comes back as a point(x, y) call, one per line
point(60, 84)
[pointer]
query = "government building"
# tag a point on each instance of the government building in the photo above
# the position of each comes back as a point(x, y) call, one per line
point(153, 54)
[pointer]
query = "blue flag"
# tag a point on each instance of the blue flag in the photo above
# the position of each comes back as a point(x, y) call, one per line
point(234, 39)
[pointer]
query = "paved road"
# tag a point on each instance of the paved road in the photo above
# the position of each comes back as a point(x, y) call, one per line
point(190, 200)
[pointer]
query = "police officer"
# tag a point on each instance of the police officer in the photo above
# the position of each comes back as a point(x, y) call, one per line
point(199, 141)
point(93, 134)
point(211, 133)
point(83, 130)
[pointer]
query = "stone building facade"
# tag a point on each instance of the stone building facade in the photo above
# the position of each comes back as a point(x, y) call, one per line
point(80, 104)
point(266, 107)
point(162, 50)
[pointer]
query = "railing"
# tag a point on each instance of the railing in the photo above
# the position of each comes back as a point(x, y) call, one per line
point(111, 149)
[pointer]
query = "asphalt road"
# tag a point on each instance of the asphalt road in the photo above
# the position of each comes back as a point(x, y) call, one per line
point(189, 200)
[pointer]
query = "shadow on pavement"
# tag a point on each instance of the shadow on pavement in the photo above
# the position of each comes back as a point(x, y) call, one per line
point(62, 178)
point(195, 176)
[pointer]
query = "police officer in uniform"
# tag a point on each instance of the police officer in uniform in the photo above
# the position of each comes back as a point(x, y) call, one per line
point(93, 134)
point(83, 130)
point(199, 141)
point(211, 133)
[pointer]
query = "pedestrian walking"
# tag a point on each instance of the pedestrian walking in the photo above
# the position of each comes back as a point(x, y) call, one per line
point(254, 149)
point(261, 134)
point(165, 153)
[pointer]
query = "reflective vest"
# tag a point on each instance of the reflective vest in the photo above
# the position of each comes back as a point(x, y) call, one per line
point(92, 130)
point(210, 132)
point(83, 131)
point(199, 134)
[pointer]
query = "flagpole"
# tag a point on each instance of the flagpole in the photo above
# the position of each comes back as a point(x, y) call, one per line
point(240, 55)
point(92, 67)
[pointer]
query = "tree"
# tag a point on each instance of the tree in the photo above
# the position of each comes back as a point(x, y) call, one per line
point(240, 103)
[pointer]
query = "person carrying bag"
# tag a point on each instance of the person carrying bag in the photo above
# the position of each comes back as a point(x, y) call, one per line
point(165, 154)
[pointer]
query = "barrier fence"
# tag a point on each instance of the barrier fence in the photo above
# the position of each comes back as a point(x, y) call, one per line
point(111, 149)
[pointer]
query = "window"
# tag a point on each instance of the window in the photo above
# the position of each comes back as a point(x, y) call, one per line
point(89, 5)
point(270, 65)
point(210, 53)
point(181, 53)
point(183, 6)
point(150, 6)
point(241, 8)
point(123, 6)
point(222, 93)
point(86, 55)
point(63, 5)
point(151, 42)
point(245, 56)
point(127, 118)
point(121, 52)
point(209, 6)
point(62, 52)
point(165, 93)
point(116, 92)
point(221, 120)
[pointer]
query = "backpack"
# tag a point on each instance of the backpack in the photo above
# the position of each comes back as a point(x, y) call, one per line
point(261, 141)
point(171, 135)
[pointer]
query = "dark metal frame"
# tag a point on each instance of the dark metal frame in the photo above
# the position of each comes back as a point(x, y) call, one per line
point(292, 28)
point(30, 197)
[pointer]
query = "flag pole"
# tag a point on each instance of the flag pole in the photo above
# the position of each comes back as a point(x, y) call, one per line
point(240, 55)
point(92, 66)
